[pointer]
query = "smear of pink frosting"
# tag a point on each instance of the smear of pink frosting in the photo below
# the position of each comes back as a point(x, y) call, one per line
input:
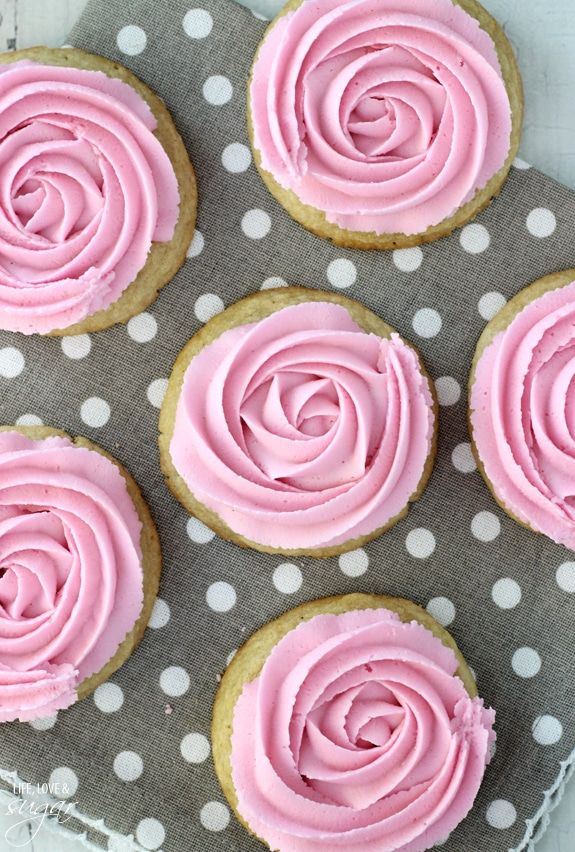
point(357, 735)
point(523, 414)
point(302, 430)
point(85, 187)
point(387, 116)
point(70, 571)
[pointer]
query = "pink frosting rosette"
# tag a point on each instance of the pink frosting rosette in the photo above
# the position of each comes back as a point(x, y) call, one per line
point(85, 187)
point(387, 116)
point(302, 430)
point(71, 584)
point(523, 414)
point(358, 735)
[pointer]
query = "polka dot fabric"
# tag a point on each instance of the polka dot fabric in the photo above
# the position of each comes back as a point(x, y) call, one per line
point(137, 752)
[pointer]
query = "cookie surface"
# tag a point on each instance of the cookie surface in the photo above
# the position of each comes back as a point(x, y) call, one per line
point(315, 219)
point(247, 311)
point(493, 336)
point(164, 258)
point(151, 562)
point(248, 662)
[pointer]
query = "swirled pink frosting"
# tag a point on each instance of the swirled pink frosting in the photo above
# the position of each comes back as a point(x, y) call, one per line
point(302, 430)
point(357, 735)
point(387, 116)
point(70, 571)
point(523, 414)
point(85, 187)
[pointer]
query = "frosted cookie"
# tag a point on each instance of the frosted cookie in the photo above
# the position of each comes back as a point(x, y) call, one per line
point(80, 566)
point(522, 406)
point(384, 125)
point(351, 723)
point(98, 193)
point(298, 422)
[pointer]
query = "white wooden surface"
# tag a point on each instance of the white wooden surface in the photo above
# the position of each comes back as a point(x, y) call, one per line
point(543, 33)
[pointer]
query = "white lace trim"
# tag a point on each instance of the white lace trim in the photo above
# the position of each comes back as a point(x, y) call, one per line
point(534, 828)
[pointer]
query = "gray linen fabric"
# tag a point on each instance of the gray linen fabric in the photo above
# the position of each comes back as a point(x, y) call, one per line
point(475, 544)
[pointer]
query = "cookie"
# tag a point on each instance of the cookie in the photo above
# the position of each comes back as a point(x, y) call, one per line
point(104, 205)
point(68, 510)
point(521, 395)
point(344, 687)
point(354, 134)
point(298, 422)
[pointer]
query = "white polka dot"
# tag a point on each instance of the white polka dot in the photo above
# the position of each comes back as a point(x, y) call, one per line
point(108, 697)
point(195, 748)
point(448, 390)
point(236, 157)
point(11, 362)
point(128, 765)
point(207, 306)
point(463, 459)
point(156, 392)
point(442, 610)
point(29, 420)
point(287, 578)
point(526, 662)
point(547, 730)
point(541, 222)
point(197, 23)
point(256, 224)
point(474, 238)
point(231, 655)
point(490, 304)
point(197, 245)
point(518, 163)
point(218, 90)
point(274, 281)
point(150, 833)
point(131, 40)
point(341, 273)
point(427, 322)
point(95, 412)
point(44, 724)
point(485, 526)
point(565, 577)
point(221, 596)
point(64, 782)
point(408, 259)
point(215, 816)
point(199, 532)
point(143, 328)
point(506, 593)
point(160, 614)
point(501, 814)
point(76, 346)
point(174, 681)
point(355, 563)
point(420, 543)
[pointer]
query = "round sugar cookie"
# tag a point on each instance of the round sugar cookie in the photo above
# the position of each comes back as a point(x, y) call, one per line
point(164, 258)
point(257, 311)
point(400, 108)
